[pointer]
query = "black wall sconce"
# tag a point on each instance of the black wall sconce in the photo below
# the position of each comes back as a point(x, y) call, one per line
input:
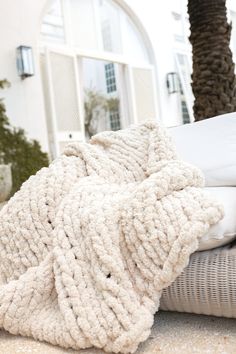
point(24, 61)
point(172, 82)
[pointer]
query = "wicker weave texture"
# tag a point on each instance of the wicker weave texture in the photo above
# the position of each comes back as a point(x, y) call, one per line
point(207, 286)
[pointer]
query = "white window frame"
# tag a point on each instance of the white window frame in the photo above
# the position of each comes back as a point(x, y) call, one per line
point(107, 57)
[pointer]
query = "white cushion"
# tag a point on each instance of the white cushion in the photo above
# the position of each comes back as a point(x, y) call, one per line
point(211, 145)
point(225, 230)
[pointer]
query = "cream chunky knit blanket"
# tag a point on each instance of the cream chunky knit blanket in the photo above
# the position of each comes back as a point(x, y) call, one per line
point(88, 244)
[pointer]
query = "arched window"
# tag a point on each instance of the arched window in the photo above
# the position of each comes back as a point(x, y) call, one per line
point(97, 70)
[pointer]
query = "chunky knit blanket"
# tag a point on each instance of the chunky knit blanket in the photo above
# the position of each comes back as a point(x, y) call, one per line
point(89, 243)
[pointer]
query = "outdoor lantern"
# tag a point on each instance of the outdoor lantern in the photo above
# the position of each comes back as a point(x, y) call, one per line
point(25, 64)
point(172, 82)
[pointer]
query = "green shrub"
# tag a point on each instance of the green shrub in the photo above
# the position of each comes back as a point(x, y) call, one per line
point(25, 155)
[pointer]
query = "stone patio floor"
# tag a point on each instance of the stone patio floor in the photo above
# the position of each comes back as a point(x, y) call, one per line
point(172, 333)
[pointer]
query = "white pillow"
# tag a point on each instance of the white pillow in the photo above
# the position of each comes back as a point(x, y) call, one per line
point(210, 145)
point(225, 230)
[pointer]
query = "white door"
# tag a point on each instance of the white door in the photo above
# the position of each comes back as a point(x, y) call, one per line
point(64, 108)
point(143, 94)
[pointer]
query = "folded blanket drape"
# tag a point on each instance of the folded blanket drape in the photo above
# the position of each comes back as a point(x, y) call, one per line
point(89, 243)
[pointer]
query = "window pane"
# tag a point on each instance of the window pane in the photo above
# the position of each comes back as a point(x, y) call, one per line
point(101, 96)
point(110, 26)
point(52, 29)
point(133, 44)
point(83, 24)
point(185, 115)
point(184, 71)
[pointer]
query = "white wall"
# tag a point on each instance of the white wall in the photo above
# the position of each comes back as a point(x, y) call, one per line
point(231, 4)
point(20, 25)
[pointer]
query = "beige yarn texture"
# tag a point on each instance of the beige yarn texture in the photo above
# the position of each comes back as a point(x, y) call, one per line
point(88, 244)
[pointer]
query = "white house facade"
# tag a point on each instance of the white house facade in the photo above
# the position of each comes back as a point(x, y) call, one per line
point(98, 65)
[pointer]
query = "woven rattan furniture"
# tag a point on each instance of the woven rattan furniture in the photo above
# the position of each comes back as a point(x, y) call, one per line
point(207, 286)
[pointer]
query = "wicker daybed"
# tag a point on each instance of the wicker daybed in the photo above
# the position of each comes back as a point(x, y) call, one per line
point(207, 286)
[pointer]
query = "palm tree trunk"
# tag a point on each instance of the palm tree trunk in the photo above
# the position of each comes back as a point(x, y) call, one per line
point(213, 78)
